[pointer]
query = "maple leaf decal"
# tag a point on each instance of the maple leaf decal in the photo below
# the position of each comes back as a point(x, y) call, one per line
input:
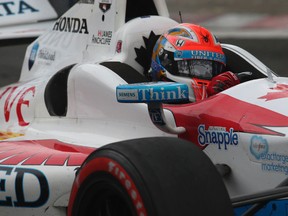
point(144, 54)
point(281, 91)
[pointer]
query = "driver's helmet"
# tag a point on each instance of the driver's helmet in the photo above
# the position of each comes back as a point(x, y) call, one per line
point(188, 54)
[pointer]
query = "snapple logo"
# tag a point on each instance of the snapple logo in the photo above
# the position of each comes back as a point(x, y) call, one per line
point(258, 146)
point(217, 136)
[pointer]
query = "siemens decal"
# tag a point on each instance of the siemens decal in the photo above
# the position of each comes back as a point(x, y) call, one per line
point(73, 25)
point(217, 136)
point(127, 94)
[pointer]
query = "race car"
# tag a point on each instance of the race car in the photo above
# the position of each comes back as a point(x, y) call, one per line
point(76, 140)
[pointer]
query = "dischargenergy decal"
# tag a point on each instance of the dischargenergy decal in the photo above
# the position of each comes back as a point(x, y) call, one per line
point(216, 135)
point(270, 161)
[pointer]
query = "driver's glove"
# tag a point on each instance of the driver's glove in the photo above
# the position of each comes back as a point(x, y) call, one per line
point(221, 82)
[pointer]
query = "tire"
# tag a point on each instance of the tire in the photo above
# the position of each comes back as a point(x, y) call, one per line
point(150, 176)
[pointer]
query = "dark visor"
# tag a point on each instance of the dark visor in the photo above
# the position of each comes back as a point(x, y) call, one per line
point(194, 68)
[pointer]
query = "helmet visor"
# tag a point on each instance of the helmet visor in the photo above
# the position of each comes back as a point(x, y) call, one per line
point(194, 68)
point(202, 69)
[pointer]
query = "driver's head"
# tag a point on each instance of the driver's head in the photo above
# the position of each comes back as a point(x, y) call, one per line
point(189, 54)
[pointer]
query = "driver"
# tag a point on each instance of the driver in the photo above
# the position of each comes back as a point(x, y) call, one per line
point(192, 55)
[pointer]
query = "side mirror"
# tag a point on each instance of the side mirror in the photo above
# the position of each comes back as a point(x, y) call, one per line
point(155, 94)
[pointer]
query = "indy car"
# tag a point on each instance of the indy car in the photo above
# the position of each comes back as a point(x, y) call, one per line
point(82, 134)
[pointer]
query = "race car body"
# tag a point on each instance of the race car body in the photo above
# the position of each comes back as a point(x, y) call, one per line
point(246, 125)
point(68, 146)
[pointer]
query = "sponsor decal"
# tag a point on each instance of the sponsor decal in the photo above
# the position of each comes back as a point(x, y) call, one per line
point(8, 134)
point(205, 38)
point(22, 96)
point(18, 160)
point(129, 94)
point(124, 178)
point(274, 162)
point(103, 37)
point(216, 135)
point(47, 54)
point(270, 161)
point(278, 92)
point(20, 176)
point(156, 116)
point(105, 5)
point(8, 8)
point(180, 43)
point(33, 55)
point(199, 54)
point(258, 146)
point(154, 93)
point(72, 25)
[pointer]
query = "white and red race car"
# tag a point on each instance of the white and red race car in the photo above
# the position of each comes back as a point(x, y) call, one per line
point(83, 133)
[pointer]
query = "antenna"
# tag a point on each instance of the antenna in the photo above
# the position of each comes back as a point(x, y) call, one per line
point(180, 16)
point(270, 76)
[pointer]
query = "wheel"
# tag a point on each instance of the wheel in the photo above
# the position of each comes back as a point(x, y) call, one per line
point(149, 176)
